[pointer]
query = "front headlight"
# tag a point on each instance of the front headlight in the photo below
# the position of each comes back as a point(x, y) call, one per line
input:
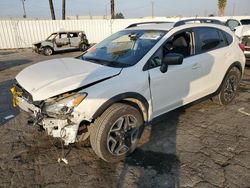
point(65, 105)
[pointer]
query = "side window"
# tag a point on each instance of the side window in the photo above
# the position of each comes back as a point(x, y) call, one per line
point(155, 61)
point(232, 24)
point(63, 35)
point(180, 43)
point(245, 22)
point(72, 35)
point(209, 39)
point(75, 34)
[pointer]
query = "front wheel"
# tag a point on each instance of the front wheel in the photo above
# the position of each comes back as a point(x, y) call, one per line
point(83, 47)
point(47, 51)
point(228, 88)
point(116, 132)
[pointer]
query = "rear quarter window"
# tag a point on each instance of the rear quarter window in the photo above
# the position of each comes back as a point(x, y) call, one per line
point(228, 37)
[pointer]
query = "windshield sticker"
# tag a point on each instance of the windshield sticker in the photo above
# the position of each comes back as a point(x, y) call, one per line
point(150, 36)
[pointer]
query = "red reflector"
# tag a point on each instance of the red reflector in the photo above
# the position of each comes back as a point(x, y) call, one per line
point(242, 47)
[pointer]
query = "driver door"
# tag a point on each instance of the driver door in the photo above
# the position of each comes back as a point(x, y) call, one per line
point(180, 84)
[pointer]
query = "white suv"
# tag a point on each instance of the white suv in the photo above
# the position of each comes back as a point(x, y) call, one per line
point(127, 80)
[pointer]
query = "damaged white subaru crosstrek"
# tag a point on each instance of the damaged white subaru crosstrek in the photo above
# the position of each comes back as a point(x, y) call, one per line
point(127, 80)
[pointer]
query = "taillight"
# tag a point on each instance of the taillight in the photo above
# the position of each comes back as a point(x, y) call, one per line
point(242, 47)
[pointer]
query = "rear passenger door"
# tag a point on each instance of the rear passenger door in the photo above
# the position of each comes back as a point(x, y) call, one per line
point(213, 54)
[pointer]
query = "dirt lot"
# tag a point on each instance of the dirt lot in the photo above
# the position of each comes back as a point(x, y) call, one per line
point(202, 145)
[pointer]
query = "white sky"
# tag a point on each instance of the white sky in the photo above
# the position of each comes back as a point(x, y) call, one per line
point(130, 8)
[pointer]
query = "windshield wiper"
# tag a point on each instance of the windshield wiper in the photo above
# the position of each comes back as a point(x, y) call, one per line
point(94, 60)
point(106, 62)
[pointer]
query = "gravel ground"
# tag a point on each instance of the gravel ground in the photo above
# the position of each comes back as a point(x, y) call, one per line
point(200, 145)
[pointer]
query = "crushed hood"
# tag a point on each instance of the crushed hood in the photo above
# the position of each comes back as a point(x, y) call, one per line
point(53, 77)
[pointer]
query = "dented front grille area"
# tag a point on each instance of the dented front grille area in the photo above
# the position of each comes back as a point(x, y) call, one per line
point(26, 95)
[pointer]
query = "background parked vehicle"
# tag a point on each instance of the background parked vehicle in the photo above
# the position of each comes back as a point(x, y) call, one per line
point(241, 27)
point(234, 22)
point(62, 41)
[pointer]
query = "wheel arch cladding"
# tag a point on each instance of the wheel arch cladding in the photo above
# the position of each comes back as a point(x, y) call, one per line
point(129, 97)
point(235, 64)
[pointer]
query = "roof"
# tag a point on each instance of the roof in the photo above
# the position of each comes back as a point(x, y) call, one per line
point(168, 26)
point(153, 26)
point(68, 31)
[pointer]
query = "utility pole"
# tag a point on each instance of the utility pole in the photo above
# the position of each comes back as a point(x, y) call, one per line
point(152, 8)
point(112, 3)
point(63, 9)
point(52, 10)
point(24, 11)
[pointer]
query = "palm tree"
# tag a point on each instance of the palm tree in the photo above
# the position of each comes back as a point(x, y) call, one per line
point(221, 6)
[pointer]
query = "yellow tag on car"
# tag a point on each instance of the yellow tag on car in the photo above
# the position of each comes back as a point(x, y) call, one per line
point(15, 93)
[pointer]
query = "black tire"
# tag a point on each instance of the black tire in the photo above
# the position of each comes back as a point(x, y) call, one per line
point(228, 88)
point(112, 138)
point(48, 51)
point(83, 47)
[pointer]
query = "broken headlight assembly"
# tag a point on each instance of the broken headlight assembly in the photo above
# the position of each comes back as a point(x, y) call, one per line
point(63, 105)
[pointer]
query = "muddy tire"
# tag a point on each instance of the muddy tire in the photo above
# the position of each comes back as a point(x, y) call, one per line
point(228, 88)
point(115, 134)
point(48, 51)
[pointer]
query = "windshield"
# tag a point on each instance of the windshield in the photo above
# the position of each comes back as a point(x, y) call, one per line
point(245, 22)
point(52, 36)
point(124, 48)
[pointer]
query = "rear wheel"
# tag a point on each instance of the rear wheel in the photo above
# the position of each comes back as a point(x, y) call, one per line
point(47, 51)
point(115, 134)
point(229, 86)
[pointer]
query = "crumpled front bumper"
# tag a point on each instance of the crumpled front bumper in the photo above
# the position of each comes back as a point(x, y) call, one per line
point(58, 128)
point(37, 49)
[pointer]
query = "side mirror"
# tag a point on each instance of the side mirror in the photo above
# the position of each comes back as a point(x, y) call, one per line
point(171, 59)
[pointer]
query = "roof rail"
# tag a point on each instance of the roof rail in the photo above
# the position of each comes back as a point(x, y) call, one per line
point(144, 23)
point(201, 20)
